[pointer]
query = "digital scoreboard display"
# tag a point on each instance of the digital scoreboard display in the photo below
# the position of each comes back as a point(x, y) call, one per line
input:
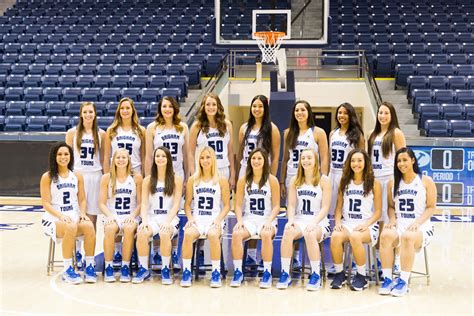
point(452, 170)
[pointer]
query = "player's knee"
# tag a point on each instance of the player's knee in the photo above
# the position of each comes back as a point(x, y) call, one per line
point(213, 235)
point(336, 238)
point(266, 235)
point(71, 228)
point(309, 235)
point(407, 238)
point(387, 237)
point(165, 236)
point(355, 237)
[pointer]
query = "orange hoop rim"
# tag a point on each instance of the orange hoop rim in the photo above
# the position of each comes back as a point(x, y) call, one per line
point(269, 37)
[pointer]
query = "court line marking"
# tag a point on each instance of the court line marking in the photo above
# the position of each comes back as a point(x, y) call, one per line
point(55, 288)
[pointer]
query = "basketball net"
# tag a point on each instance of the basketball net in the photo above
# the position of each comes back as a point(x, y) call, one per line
point(269, 43)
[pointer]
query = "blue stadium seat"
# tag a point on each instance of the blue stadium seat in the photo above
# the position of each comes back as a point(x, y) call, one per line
point(456, 82)
point(122, 69)
point(15, 81)
point(171, 92)
point(59, 123)
point(59, 58)
point(36, 108)
point(180, 82)
point(91, 94)
point(445, 70)
point(72, 94)
point(460, 128)
point(126, 58)
point(437, 128)
point(120, 81)
point(33, 94)
point(14, 94)
point(102, 81)
point(87, 70)
point(141, 108)
point(139, 81)
point(157, 69)
point(20, 69)
point(469, 82)
point(73, 108)
point(101, 107)
point(37, 123)
point(132, 93)
point(52, 94)
point(66, 81)
point(425, 70)
point(416, 82)
point(54, 69)
point(144, 58)
point(213, 64)
point(105, 69)
point(421, 58)
point(465, 70)
point(110, 94)
point(443, 96)
point(464, 96)
point(139, 69)
point(452, 111)
point(55, 108)
point(150, 95)
point(15, 108)
point(435, 48)
point(85, 81)
point(31, 81)
point(401, 74)
point(437, 82)
point(104, 121)
point(15, 123)
point(420, 96)
point(109, 58)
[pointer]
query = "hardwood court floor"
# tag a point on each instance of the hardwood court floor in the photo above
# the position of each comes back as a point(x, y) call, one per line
point(26, 289)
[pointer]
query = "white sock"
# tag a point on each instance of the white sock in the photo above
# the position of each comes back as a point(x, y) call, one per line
point(339, 267)
point(387, 273)
point(125, 263)
point(118, 247)
point(166, 262)
point(285, 264)
point(405, 276)
point(89, 261)
point(108, 263)
point(296, 254)
point(315, 266)
point(78, 245)
point(187, 264)
point(216, 265)
point(143, 261)
point(361, 269)
point(252, 253)
point(238, 265)
point(267, 265)
point(67, 264)
point(397, 260)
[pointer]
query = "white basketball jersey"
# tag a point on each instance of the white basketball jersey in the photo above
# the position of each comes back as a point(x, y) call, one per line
point(174, 141)
point(130, 141)
point(258, 201)
point(250, 144)
point(88, 158)
point(216, 142)
point(410, 201)
point(357, 207)
point(64, 194)
point(125, 199)
point(382, 166)
point(339, 148)
point(207, 200)
point(303, 142)
point(159, 203)
point(308, 201)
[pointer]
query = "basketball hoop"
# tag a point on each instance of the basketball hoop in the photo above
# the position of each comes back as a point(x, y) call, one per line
point(269, 43)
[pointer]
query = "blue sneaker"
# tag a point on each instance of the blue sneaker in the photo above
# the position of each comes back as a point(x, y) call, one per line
point(89, 275)
point(284, 282)
point(359, 282)
point(157, 259)
point(237, 279)
point(109, 274)
point(117, 259)
point(186, 279)
point(165, 276)
point(175, 260)
point(79, 262)
point(216, 279)
point(314, 283)
point(339, 280)
point(125, 274)
point(386, 287)
point(400, 289)
point(266, 280)
point(142, 275)
point(70, 276)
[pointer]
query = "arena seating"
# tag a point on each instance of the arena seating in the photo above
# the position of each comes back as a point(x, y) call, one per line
point(54, 54)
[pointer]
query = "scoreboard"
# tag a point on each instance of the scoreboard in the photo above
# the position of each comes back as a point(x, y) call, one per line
point(452, 170)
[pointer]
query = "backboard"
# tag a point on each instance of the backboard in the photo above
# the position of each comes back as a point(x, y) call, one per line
point(305, 22)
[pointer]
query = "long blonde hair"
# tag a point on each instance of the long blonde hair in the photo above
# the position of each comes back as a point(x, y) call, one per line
point(300, 175)
point(80, 128)
point(113, 169)
point(118, 121)
point(198, 174)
